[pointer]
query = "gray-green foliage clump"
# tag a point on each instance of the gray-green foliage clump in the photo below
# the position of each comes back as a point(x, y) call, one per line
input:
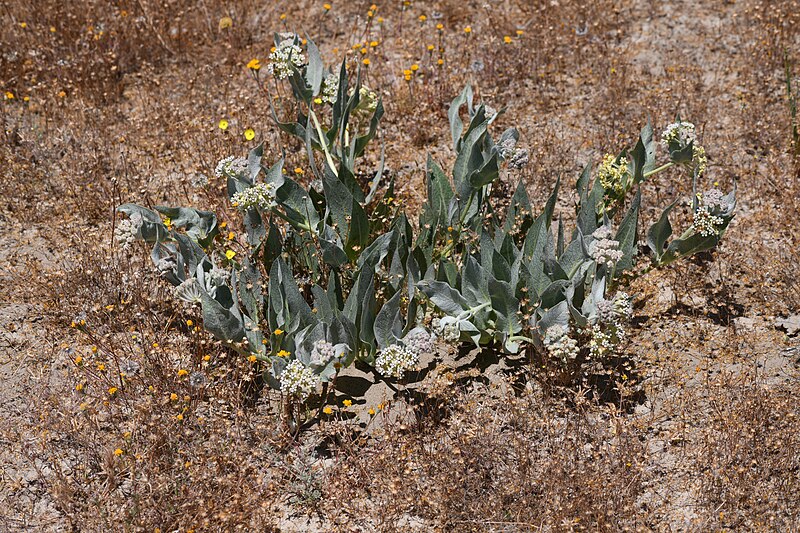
point(336, 272)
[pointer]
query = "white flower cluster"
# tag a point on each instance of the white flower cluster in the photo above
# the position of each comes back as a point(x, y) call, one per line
point(330, 88)
point(395, 360)
point(127, 230)
point(286, 55)
point(601, 342)
point(679, 132)
point(706, 223)
point(297, 379)
point(189, 291)
point(231, 167)
point(613, 174)
point(605, 250)
point(559, 344)
point(261, 196)
point(322, 353)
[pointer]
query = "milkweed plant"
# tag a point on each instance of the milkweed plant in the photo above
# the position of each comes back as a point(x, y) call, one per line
point(336, 271)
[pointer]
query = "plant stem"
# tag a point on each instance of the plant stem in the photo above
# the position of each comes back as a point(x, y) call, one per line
point(659, 169)
point(324, 144)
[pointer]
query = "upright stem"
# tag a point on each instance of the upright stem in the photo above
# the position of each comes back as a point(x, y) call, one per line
point(324, 144)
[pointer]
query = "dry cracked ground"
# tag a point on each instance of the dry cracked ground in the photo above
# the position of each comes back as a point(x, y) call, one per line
point(708, 435)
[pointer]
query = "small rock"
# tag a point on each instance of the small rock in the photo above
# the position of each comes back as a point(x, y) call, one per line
point(790, 324)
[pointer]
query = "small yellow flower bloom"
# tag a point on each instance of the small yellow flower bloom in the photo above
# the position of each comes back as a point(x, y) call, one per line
point(112, 391)
point(52, 29)
point(179, 417)
point(423, 18)
point(79, 387)
point(254, 64)
point(225, 23)
point(327, 410)
point(118, 452)
point(249, 134)
point(370, 14)
point(366, 61)
point(371, 411)
point(440, 62)
point(284, 353)
point(252, 359)
point(23, 25)
point(347, 403)
point(373, 44)
point(414, 67)
point(440, 26)
point(182, 372)
point(231, 235)
point(278, 331)
point(431, 48)
point(326, 7)
point(206, 358)
point(468, 29)
point(318, 100)
point(173, 397)
point(9, 95)
point(283, 16)
point(520, 32)
point(78, 360)
point(298, 170)
point(507, 39)
point(230, 254)
point(189, 323)
point(223, 124)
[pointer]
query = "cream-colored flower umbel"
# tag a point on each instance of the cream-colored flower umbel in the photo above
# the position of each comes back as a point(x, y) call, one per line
point(261, 196)
point(559, 344)
point(296, 379)
point(286, 57)
point(395, 360)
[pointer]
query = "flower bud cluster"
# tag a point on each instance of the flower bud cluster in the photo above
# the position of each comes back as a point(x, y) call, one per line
point(559, 344)
point(322, 353)
point(231, 167)
point(613, 174)
point(127, 230)
point(605, 250)
point(419, 341)
point(615, 311)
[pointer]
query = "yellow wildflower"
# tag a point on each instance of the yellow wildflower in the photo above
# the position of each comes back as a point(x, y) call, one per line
point(230, 254)
point(118, 452)
point(223, 124)
point(249, 134)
